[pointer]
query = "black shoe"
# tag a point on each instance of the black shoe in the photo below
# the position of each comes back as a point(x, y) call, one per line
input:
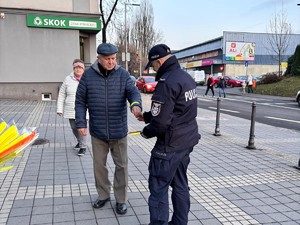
point(121, 208)
point(81, 152)
point(77, 147)
point(100, 203)
point(170, 223)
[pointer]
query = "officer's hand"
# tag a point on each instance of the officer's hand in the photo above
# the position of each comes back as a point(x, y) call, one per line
point(140, 117)
point(136, 110)
point(144, 136)
point(82, 131)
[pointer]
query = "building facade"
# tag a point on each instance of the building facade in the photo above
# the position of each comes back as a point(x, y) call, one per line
point(38, 42)
point(236, 54)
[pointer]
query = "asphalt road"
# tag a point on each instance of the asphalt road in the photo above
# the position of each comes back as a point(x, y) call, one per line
point(272, 110)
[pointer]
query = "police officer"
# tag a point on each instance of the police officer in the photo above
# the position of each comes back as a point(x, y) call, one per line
point(172, 120)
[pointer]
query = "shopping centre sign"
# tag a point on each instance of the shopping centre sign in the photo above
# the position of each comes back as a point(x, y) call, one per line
point(63, 22)
point(237, 51)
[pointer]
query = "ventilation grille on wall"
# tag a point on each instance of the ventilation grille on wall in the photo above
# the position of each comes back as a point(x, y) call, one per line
point(46, 96)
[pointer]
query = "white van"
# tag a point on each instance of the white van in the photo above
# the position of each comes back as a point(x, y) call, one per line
point(198, 76)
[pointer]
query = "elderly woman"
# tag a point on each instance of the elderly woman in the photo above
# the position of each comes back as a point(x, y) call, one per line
point(66, 102)
point(250, 83)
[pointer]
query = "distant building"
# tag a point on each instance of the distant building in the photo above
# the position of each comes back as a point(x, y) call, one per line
point(38, 42)
point(235, 53)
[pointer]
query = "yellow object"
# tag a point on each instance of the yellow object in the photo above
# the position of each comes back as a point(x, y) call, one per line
point(284, 65)
point(16, 140)
point(134, 103)
point(11, 156)
point(3, 125)
point(13, 142)
point(2, 169)
point(134, 132)
point(8, 135)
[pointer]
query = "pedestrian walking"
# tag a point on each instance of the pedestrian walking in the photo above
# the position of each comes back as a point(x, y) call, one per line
point(104, 90)
point(250, 83)
point(172, 120)
point(244, 87)
point(222, 85)
point(66, 103)
point(210, 85)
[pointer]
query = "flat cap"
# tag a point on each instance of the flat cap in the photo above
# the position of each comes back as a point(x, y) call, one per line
point(107, 49)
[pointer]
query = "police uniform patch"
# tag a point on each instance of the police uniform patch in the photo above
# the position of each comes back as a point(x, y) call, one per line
point(155, 109)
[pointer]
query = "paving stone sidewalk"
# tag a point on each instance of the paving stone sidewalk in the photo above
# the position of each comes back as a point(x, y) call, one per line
point(230, 184)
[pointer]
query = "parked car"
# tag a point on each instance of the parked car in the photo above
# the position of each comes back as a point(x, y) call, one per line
point(146, 84)
point(298, 98)
point(245, 78)
point(231, 81)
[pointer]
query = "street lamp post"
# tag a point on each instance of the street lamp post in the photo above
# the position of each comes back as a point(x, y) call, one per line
point(140, 56)
point(126, 47)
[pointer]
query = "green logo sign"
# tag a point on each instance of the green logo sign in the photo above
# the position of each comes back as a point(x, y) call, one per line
point(63, 22)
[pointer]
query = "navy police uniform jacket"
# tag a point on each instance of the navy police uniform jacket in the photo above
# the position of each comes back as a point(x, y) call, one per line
point(172, 118)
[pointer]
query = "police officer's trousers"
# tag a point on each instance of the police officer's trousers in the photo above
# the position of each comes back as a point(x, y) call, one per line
point(169, 169)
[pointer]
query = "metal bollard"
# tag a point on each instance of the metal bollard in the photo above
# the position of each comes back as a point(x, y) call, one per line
point(217, 129)
point(251, 137)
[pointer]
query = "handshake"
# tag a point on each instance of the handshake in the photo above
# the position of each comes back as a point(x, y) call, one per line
point(136, 111)
point(139, 115)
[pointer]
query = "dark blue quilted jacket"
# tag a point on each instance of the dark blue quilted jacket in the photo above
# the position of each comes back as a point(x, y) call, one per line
point(105, 98)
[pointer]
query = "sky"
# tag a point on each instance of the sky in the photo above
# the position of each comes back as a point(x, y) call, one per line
point(184, 23)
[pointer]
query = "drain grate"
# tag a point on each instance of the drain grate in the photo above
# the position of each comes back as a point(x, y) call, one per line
point(40, 141)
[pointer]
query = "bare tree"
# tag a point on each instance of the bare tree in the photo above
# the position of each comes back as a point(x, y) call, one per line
point(143, 28)
point(143, 33)
point(278, 37)
point(140, 32)
point(109, 16)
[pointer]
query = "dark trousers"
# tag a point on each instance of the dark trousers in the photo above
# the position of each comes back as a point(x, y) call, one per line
point(250, 89)
point(211, 88)
point(169, 169)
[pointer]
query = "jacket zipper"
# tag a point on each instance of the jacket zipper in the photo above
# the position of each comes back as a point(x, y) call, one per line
point(106, 107)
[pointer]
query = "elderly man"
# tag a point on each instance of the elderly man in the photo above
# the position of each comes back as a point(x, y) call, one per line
point(104, 90)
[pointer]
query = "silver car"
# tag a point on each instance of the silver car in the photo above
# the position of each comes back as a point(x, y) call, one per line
point(298, 98)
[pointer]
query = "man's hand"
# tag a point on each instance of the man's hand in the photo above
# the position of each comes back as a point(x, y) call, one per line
point(82, 131)
point(136, 110)
point(60, 114)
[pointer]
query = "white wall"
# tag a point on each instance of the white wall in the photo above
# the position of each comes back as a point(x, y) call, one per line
point(35, 54)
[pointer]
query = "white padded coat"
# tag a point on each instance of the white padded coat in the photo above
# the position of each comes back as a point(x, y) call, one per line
point(66, 97)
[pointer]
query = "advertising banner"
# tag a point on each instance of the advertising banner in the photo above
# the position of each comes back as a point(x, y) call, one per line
point(240, 51)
